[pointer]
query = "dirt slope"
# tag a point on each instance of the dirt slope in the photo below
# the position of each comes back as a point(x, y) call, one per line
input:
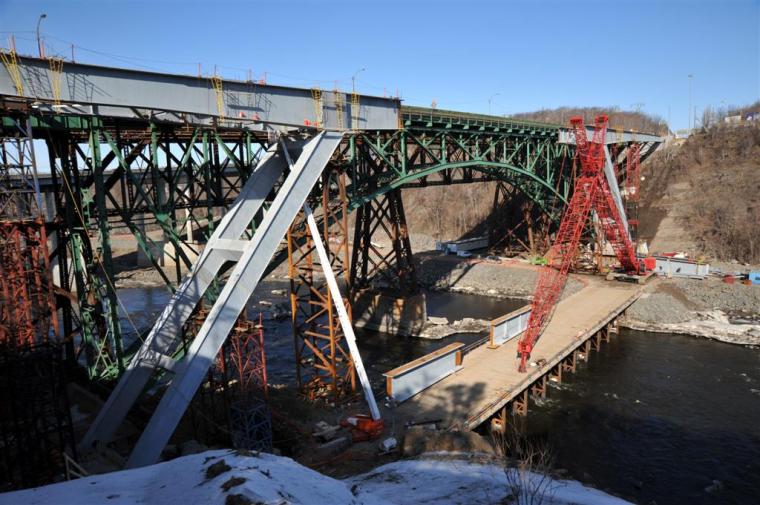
point(703, 195)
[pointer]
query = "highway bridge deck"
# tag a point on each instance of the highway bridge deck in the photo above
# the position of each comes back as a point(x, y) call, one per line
point(488, 379)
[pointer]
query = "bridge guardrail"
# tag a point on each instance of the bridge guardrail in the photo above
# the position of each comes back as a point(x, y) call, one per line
point(409, 379)
point(508, 326)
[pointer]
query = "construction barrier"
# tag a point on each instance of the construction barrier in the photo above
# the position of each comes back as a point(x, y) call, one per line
point(679, 267)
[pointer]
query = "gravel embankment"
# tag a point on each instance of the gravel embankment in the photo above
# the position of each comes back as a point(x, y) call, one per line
point(715, 294)
point(508, 279)
point(659, 308)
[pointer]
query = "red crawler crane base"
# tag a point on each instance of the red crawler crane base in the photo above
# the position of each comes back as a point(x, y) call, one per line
point(591, 191)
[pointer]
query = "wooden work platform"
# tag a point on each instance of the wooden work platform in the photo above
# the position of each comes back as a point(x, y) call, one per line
point(489, 379)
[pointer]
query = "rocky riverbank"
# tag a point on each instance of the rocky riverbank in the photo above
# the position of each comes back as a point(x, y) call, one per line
point(706, 308)
point(437, 328)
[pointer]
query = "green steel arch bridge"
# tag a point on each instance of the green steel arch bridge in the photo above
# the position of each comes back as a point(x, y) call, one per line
point(160, 155)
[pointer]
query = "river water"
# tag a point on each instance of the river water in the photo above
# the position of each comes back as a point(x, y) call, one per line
point(653, 418)
point(380, 352)
point(658, 418)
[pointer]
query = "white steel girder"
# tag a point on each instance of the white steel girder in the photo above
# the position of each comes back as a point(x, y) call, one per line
point(251, 258)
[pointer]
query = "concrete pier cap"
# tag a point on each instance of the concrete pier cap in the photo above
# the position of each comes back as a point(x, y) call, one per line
point(389, 311)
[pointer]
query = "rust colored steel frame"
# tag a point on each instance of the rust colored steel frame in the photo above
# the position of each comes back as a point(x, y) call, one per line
point(246, 358)
point(516, 223)
point(238, 375)
point(371, 267)
point(27, 301)
point(324, 368)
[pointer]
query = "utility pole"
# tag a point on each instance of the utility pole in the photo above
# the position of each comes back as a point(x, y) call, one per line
point(690, 78)
point(668, 117)
point(40, 49)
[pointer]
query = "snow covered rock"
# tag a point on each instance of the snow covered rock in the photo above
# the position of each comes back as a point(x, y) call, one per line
point(226, 477)
point(454, 482)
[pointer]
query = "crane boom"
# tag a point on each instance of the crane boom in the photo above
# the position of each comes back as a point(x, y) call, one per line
point(590, 191)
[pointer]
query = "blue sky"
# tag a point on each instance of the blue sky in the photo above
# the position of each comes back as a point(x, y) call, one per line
point(458, 53)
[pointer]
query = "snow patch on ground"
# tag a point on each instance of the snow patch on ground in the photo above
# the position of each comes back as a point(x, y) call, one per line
point(454, 482)
point(267, 479)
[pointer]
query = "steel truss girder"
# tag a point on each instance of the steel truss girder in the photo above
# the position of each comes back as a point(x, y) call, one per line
point(132, 176)
point(382, 161)
point(370, 266)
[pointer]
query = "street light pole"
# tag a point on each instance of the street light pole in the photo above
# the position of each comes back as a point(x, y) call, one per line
point(353, 79)
point(39, 41)
point(489, 101)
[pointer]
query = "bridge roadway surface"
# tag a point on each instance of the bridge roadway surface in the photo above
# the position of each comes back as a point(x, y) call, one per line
point(488, 378)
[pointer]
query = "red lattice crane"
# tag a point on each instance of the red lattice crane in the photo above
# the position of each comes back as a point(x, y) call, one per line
point(591, 191)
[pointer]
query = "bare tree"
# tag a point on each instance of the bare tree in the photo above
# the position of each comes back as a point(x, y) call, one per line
point(527, 465)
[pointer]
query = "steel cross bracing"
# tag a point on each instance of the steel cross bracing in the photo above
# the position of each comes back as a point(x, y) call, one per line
point(591, 190)
point(150, 175)
point(19, 186)
point(371, 267)
point(175, 177)
point(250, 258)
point(517, 223)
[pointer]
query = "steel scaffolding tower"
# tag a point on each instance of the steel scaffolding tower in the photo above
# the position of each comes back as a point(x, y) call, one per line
point(323, 363)
point(28, 313)
point(35, 422)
